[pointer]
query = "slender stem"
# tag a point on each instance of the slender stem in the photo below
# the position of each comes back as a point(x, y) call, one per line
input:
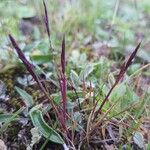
point(105, 100)
point(115, 12)
point(44, 144)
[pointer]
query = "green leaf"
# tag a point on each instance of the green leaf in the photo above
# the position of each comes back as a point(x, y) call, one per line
point(31, 47)
point(11, 118)
point(70, 94)
point(74, 78)
point(43, 127)
point(57, 98)
point(28, 100)
point(6, 117)
point(40, 59)
point(148, 146)
point(144, 55)
point(118, 92)
point(86, 72)
point(25, 12)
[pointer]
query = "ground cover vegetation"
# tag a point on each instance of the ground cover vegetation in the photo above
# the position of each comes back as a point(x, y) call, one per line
point(74, 75)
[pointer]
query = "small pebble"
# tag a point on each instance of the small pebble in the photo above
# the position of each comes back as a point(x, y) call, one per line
point(2, 145)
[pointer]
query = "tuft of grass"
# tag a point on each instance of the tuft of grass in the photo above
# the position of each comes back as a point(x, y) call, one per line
point(123, 70)
point(86, 98)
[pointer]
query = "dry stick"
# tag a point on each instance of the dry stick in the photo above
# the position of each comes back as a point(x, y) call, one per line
point(99, 122)
point(101, 119)
point(126, 109)
point(120, 76)
point(88, 127)
point(90, 118)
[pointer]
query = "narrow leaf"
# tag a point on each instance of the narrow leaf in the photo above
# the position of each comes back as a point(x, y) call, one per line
point(43, 127)
point(28, 100)
point(40, 59)
point(12, 118)
point(6, 117)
